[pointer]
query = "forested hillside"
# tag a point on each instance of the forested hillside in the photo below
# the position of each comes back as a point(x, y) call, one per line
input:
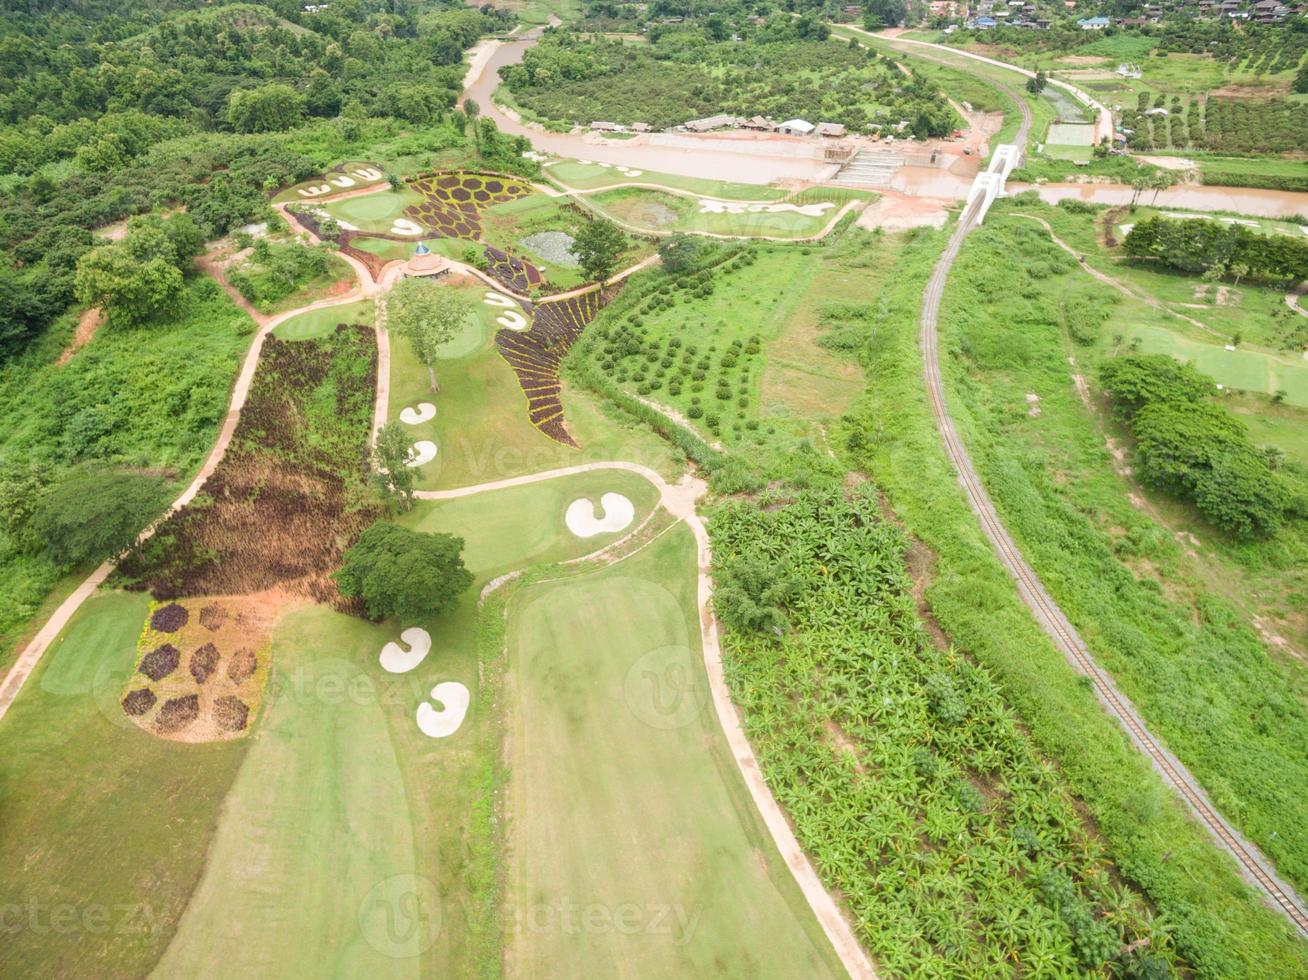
point(111, 109)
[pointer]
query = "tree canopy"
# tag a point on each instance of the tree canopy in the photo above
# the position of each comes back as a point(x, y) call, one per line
point(427, 315)
point(598, 246)
point(397, 572)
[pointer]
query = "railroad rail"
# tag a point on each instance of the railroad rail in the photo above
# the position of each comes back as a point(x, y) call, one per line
point(1254, 867)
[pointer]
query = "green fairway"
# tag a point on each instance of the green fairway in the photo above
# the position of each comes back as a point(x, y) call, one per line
point(586, 175)
point(633, 841)
point(105, 826)
point(656, 211)
point(374, 212)
point(321, 322)
point(502, 526)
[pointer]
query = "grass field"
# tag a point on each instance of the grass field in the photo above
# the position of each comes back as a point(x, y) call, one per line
point(1182, 646)
point(374, 212)
point(656, 211)
point(300, 830)
point(481, 425)
point(1217, 924)
point(320, 323)
point(591, 176)
point(114, 849)
point(633, 839)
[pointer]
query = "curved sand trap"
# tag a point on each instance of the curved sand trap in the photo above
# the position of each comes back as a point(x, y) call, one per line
point(512, 319)
point(496, 299)
point(425, 412)
point(615, 510)
point(403, 226)
point(709, 206)
point(424, 451)
point(444, 721)
point(397, 660)
point(367, 173)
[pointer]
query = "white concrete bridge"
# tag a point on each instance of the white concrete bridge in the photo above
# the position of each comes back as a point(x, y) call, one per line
point(989, 184)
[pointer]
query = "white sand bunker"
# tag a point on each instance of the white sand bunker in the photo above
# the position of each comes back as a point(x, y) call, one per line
point(367, 173)
point(628, 172)
point(512, 319)
point(425, 412)
point(397, 660)
point(313, 190)
point(615, 513)
point(423, 451)
point(403, 226)
point(710, 206)
point(498, 299)
point(444, 721)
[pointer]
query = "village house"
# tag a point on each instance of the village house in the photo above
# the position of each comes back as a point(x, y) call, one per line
point(605, 127)
point(1093, 23)
point(641, 127)
point(720, 121)
point(759, 124)
point(830, 129)
point(795, 127)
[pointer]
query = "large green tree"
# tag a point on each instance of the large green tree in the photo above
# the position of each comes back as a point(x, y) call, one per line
point(130, 291)
point(267, 109)
point(427, 315)
point(397, 572)
point(598, 247)
point(93, 514)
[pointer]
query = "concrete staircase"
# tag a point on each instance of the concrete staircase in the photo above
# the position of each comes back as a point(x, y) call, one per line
point(868, 168)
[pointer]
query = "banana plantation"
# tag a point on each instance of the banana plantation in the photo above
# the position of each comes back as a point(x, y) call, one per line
point(958, 850)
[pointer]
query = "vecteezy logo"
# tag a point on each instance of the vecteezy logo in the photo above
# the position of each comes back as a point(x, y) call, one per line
point(664, 688)
point(401, 916)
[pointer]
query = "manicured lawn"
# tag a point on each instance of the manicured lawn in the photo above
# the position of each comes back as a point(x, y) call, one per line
point(320, 323)
point(633, 841)
point(659, 212)
point(590, 176)
point(481, 425)
point(105, 826)
point(503, 526)
point(374, 212)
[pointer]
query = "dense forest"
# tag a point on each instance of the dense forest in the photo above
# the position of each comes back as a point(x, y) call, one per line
point(778, 66)
point(113, 111)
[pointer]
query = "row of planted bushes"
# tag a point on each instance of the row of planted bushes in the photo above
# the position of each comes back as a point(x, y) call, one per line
point(1273, 182)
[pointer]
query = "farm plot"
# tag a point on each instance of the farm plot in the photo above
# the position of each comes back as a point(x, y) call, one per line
point(957, 848)
point(625, 809)
point(766, 320)
point(286, 499)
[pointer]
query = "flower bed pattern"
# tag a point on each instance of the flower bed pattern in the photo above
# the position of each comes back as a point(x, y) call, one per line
point(452, 202)
point(515, 275)
point(213, 698)
point(535, 355)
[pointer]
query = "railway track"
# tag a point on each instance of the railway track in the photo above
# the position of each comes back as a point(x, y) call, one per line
point(1255, 868)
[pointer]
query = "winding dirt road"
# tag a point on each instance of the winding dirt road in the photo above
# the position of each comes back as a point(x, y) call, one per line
point(680, 501)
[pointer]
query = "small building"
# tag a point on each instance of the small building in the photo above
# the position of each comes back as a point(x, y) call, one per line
point(720, 121)
point(795, 127)
point(605, 127)
point(642, 127)
point(985, 23)
point(758, 124)
point(426, 263)
point(1093, 23)
point(831, 129)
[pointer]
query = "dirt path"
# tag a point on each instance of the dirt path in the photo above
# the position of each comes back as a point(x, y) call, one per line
point(680, 501)
point(1292, 298)
point(1253, 865)
point(36, 647)
point(87, 324)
